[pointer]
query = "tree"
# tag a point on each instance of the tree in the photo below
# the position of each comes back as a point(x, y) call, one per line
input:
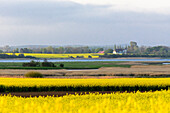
point(158, 50)
point(44, 50)
point(68, 50)
point(21, 55)
point(115, 47)
point(1, 51)
point(7, 48)
point(61, 50)
point(109, 51)
point(98, 49)
point(50, 49)
point(86, 50)
point(133, 48)
point(25, 50)
point(16, 50)
point(21, 50)
point(133, 44)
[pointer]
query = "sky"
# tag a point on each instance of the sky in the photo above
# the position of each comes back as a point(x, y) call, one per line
point(84, 22)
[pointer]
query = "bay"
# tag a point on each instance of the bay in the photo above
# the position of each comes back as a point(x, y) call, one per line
point(81, 60)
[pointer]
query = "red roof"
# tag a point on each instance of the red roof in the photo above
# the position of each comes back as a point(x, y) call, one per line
point(101, 52)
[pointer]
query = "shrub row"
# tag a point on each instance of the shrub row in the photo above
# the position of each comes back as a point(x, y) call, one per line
point(43, 64)
point(81, 88)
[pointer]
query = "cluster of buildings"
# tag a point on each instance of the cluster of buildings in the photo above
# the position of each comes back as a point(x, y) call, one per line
point(117, 51)
point(120, 51)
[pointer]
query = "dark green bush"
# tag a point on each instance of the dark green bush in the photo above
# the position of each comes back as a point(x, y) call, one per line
point(80, 57)
point(89, 56)
point(61, 65)
point(33, 74)
point(48, 64)
point(71, 57)
point(31, 64)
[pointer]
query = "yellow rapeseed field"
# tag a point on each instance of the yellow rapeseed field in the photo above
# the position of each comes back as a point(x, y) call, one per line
point(38, 55)
point(85, 82)
point(150, 102)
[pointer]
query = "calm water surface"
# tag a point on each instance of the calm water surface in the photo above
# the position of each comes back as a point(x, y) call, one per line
point(84, 60)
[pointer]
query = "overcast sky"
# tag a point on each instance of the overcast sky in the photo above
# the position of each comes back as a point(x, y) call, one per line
point(84, 22)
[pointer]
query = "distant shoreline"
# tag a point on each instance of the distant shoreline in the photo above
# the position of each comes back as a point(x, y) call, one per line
point(82, 58)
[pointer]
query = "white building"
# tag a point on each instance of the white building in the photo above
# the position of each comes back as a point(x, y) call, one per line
point(120, 51)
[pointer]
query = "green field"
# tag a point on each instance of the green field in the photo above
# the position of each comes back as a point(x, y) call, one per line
point(67, 65)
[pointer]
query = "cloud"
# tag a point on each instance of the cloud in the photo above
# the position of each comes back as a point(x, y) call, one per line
point(45, 13)
point(81, 22)
point(145, 6)
point(49, 12)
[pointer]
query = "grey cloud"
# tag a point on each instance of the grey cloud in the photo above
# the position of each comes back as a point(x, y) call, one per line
point(47, 11)
point(71, 23)
point(56, 12)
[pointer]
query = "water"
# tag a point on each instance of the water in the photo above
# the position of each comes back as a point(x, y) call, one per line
point(166, 63)
point(84, 60)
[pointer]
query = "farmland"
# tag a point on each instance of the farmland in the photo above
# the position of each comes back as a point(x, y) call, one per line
point(67, 65)
point(38, 55)
point(124, 84)
point(30, 95)
point(148, 102)
point(89, 69)
point(128, 95)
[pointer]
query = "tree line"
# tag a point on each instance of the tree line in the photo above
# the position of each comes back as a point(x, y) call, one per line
point(59, 50)
point(131, 49)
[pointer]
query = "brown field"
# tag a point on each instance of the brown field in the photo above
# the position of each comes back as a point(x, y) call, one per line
point(105, 72)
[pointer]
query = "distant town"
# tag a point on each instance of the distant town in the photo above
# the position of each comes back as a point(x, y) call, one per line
point(132, 49)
